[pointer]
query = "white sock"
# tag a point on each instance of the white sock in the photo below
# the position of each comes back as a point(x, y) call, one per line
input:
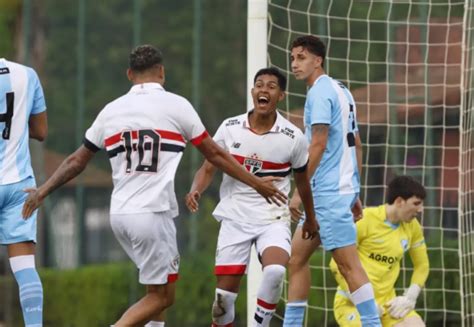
point(155, 324)
point(268, 294)
point(223, 311)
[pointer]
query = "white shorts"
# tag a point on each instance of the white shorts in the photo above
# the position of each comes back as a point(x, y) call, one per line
point(236, 239)
point(150, 241)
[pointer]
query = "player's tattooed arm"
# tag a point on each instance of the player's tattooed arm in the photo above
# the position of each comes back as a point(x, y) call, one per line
point(69, 168)
point(319, 139)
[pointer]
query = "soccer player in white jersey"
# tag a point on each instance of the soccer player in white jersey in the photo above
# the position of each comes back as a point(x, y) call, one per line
point(144, 133)
point(335, 156)
point(22, 116)
point(385, 234)
point(266, 144)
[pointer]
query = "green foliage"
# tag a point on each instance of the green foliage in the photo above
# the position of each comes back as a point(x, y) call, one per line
point(89, 296)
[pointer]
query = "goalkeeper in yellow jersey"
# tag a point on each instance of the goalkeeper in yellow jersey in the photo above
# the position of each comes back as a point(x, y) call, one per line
point(383, 236)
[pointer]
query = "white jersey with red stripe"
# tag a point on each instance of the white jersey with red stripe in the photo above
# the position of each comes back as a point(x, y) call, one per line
point(274, 153)
point(144, 133)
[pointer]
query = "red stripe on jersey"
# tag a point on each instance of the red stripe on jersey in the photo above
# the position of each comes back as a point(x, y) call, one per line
point(197, 140)
point(172, 278)
point(230, 270)
point(268, 306)
point(164, 134)
point(227, 325)
point(265, 164)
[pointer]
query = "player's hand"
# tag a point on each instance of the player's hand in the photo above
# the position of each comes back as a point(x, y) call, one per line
point(400, 306)
point(295, 205)
point(270, 192)
point(32, 202)
point(192, 200)
point(310, 229)
point(357, 210)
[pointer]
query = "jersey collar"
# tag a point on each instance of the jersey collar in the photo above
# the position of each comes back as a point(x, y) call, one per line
point(275, 128)
point(146, 86)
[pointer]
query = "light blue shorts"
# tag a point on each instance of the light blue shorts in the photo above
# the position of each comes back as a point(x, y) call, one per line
point(336, 222)
point(13, 228)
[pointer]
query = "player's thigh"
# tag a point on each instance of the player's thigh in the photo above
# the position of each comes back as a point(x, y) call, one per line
point(273, 244)
point(150, 241)
point(336, 222)
point(301, 249)
point(345, 312)
point(412, 319)
point(233, 247)
point(13, 228)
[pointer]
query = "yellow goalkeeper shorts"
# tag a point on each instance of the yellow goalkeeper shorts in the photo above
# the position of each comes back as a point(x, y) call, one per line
point(347, 316)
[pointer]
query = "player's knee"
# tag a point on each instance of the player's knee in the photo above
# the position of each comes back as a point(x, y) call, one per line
point(274, 275)
point(411, 322)
point(296, 262)
point(223, 307)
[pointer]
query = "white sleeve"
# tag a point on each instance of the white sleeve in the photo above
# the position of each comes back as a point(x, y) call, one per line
point(94, 138)
point(299, 155)
point(219, 137)
point(193, 128)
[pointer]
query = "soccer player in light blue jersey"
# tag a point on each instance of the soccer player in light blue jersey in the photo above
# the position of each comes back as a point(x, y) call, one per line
point(22, 116)
point(335, 155)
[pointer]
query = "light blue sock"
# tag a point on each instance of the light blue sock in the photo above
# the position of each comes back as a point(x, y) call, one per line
point(31, 290)
point(363, 299)
point(294, 314)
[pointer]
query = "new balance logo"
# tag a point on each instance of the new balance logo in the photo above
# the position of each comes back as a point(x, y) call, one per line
point(236, 145)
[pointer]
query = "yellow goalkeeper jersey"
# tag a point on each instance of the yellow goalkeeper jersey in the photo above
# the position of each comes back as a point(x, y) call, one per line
point(381, 246)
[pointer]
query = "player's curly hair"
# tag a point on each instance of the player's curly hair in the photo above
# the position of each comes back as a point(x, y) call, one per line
point(404, 187)
point(311, 43)
point(144, 57)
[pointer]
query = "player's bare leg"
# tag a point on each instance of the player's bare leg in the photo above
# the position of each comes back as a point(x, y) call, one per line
point(157, 299)
point(411, 322)
point(349, 265)
point(362, 293)
point(299, 277)
point(157, 320)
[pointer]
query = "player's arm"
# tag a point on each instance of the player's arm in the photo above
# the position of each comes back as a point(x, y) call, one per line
point(319, 140)
point(69, 168)
point(202, 180)
point(310, 226)
point(38, 126)
point(357, 208)
point(224, 161)
point(400, 306)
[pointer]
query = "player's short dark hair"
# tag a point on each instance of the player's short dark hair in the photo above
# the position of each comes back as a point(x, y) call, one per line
point(274, 72)
point(311, 43)
point(144, 57)
point(404, 187)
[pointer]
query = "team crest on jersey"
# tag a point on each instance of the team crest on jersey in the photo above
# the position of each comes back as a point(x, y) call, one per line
point(404, 244)
point(175, 263)
point(253, 164)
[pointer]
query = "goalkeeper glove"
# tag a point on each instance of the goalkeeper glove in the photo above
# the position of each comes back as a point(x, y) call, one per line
point(400, 306)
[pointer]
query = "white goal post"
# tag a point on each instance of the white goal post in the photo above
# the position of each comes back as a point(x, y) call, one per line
point(410, 67)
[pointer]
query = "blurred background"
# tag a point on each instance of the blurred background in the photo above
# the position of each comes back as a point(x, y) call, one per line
point(80, 51)
point(409, 65)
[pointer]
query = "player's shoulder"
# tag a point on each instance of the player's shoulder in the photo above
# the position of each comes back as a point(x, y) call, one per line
point(323, 86)
point(288, 128)
point(17, 68)
point(375, 213)
point(234, 121)
point(413, 225)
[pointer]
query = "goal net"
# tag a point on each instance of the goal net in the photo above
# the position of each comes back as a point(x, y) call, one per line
point(410, 67)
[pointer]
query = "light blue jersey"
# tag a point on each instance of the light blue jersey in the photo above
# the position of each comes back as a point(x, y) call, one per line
point(330, 102)
point(21, 96)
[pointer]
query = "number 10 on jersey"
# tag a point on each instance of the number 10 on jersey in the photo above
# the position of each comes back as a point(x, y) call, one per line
point(148, 148)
